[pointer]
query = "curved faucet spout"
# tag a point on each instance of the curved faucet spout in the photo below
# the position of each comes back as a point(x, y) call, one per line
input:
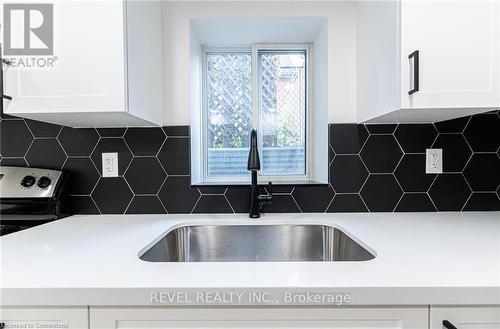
point(253, 155)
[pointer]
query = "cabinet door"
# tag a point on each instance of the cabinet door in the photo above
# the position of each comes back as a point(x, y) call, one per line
point(198, 318)
point(88, 62)
point(45, 317)
point(458, 45)
point(466, 317)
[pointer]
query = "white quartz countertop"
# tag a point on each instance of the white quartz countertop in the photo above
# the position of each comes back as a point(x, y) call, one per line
point(421, 258)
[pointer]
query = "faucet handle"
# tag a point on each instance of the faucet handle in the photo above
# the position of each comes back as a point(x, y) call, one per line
point(266, 198)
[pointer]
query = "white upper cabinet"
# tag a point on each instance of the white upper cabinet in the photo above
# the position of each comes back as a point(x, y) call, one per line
point(106, 66)
point(458, 46)
point(426, 61)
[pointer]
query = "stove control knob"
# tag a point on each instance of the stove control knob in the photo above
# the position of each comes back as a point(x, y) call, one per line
point(44, 182)
point(28, 181)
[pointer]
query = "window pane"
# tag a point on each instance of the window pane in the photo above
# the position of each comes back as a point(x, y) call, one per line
point(283, 112)
point(229, 118)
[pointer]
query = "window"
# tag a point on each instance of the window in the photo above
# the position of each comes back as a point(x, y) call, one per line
point(261, 87)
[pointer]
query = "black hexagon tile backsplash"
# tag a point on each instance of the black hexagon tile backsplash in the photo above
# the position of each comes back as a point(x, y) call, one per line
point(483, 132)
point(212, 203)
point(145, 175)
point(313, 199)
point(146, 204)
point(83, 173)
point(78, 142)
point(46, 153)
point(410, 175)
point(15, 138)
point(347, 173)
point(144, 141)
point(347, 202)
point(112, 144)
point(450, 192)
point(112, 195)
point(456, 151)
point(43, 129)
point(381, 154)
point(378, 167)
point(415, 138)
point(347, 138)
point(381, 192)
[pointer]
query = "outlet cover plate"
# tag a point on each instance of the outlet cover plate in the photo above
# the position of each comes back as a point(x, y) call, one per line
point(434, 161)
point(110, 164)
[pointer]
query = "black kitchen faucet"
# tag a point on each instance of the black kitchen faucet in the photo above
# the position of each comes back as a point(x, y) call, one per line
point(256, 199)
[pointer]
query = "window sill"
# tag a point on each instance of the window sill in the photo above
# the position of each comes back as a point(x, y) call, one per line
point(263, 182)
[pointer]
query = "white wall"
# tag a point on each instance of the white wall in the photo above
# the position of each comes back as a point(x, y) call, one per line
point(196, 107)
point(341, 82)
point(320, 100)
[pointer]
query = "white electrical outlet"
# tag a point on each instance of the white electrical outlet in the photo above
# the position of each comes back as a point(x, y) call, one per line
point(110, 164)
point(434, 161)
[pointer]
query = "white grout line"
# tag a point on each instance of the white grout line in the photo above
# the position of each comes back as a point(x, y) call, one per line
point(466, 125)
point(364, 203)
point(62, 148)
point(95, 186)
point(29, 148)
point(397, 203)
point(364, 183)
point(432, 201)
point(433, 181)
point(397, 165)
point(331, 201)
point(296, 203)
point(162, 205)
point(64, 163)
point(466, 182)
point(161, 185)
point(95, 204)
point(129, 203)
point(29, 129)
point(196, 203)
point(229, 203)
point(401, 187)
point(466, 201)
point(92, 153)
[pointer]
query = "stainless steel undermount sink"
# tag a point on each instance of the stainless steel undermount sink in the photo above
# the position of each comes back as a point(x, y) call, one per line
point(256, 243)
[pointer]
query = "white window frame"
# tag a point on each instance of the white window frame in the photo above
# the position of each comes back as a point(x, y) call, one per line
point(254, 51)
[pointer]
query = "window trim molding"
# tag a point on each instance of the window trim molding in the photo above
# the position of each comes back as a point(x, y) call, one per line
point(254, 50)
